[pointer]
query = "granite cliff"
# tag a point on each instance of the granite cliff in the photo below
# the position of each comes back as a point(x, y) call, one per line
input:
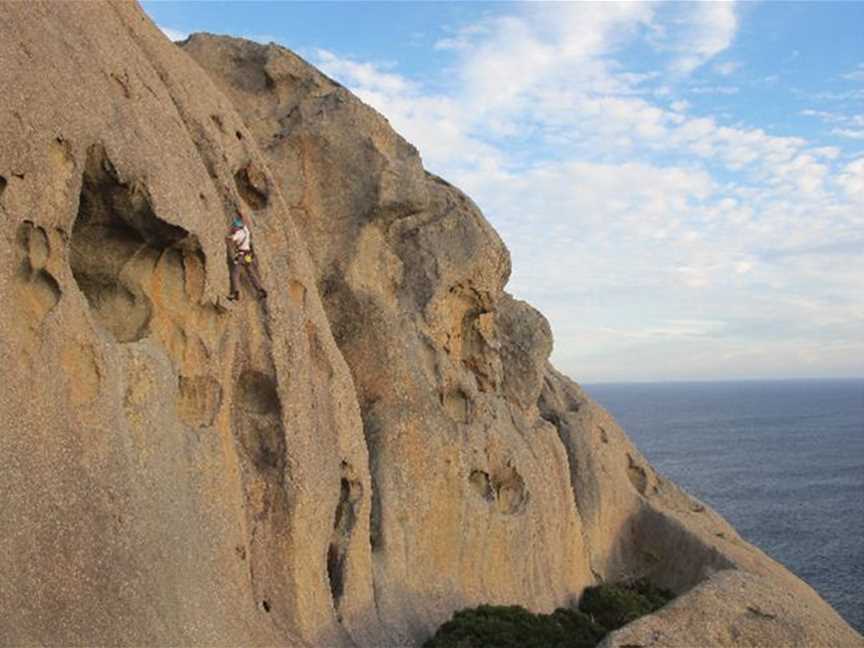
point(378, 444)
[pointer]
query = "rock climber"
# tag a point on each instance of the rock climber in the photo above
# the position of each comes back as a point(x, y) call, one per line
point(242, 256)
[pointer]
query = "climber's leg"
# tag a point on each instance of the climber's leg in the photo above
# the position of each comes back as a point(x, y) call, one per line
point(235, 281)
point(255, 278)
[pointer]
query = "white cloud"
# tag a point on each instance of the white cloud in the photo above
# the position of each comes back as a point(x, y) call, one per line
point(528, 57)
point(695, 32)
point(855, 75)
point(824, 115)
point(728, 68)
point(364, 75)
point(827, 152)
point(174, 34)
point(845, 125)
point(462, 38)
point(833, 96)
point(835, 117)
point(715, 90)
point(848, 132)
point(852, 181)
point(437, 124)
point(623, 207)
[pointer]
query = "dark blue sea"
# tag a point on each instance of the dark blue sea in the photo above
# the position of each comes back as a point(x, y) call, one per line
point(783, 461)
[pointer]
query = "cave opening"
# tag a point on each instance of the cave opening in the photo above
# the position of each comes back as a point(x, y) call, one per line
point(116, 242)
point(252, 185)
point(351, 492)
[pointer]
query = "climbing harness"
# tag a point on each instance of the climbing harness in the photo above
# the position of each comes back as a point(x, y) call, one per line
point(244, 257)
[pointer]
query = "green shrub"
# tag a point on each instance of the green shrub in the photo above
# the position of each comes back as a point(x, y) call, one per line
point(657, 596)
point(602, 609)
point(613, 606)
point(580, 629)
point(512, 626)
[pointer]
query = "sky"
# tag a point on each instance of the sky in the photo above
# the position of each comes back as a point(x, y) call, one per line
point(680, 185)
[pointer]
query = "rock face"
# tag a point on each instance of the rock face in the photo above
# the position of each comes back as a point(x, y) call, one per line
point(379, 443)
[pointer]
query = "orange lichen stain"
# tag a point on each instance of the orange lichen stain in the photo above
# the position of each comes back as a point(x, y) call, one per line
point(82, 373)
point(297, 292)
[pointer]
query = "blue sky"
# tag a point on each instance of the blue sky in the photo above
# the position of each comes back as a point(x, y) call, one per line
point(681, 185)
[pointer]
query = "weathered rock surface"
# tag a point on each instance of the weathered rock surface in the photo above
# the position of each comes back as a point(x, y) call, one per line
point(380, 443)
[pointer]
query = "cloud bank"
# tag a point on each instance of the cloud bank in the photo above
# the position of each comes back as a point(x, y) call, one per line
point(661, 243)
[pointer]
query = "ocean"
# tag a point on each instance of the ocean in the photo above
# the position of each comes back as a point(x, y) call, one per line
point(783, 461)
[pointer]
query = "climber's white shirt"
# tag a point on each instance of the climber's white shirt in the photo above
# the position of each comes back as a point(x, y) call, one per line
point(243, 239)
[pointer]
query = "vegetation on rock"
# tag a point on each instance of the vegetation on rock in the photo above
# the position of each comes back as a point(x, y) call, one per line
point(613, 606)
point(602, 609)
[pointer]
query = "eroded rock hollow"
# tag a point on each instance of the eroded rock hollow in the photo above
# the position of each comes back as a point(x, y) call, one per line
point(379, 443)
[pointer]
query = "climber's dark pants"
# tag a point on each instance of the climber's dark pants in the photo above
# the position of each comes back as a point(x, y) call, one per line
point(251, 273)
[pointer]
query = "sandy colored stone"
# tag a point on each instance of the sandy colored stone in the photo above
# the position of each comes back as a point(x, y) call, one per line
point(149, 498)
point(471, 495)
point(412, 282)
point(378, 444)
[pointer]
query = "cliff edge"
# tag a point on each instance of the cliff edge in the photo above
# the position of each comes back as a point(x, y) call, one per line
point(379, 443)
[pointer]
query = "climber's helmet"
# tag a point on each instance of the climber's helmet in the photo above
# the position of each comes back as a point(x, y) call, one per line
point(237, 224)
